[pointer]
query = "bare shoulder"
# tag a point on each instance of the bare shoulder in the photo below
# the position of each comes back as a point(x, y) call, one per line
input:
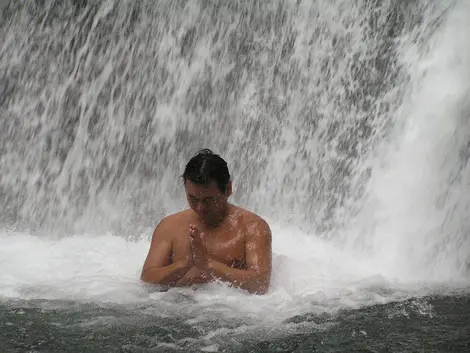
point(254, 223)
point(170, 225)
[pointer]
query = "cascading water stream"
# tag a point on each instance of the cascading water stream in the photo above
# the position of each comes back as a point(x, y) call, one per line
point(413, 219)
point(104, 102)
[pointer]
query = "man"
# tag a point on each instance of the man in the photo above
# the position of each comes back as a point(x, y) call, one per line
point(213, 239)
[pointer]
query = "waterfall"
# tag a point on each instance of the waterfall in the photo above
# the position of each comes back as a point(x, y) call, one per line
point(414, 217)
point(347, 119)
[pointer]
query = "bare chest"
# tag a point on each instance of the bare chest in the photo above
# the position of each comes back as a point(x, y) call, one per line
point(226, 246)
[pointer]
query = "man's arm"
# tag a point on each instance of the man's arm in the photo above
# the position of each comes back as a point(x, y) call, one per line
point(158, 268)
point(256, 278)
point(194, 276)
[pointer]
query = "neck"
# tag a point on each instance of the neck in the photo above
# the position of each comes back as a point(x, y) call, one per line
point(217, 219)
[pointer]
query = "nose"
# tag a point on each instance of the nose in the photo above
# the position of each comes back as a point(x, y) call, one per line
point(201, 208)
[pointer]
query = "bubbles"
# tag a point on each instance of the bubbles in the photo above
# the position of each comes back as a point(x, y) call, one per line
point(90, 284)
point(308, 275)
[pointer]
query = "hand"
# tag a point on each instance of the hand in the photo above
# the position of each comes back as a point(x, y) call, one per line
point(188, 257)
point(196, 238)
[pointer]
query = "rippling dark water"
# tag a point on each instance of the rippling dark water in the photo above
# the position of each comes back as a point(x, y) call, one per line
point(428, 324)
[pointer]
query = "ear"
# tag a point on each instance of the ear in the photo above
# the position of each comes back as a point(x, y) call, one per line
point(229, 189)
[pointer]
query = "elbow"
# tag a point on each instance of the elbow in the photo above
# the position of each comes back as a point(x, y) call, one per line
point(263, 283)
point(259, 286)
point(144, 277)
point(149, 277)
point(263, 288)
point(153, 276)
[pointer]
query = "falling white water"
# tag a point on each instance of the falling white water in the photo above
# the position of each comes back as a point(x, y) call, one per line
point(414, 221)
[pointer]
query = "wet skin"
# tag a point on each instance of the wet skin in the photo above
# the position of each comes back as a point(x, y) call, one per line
point(211, 240)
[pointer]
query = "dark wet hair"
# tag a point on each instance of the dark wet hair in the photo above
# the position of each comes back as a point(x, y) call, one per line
point(205, 167)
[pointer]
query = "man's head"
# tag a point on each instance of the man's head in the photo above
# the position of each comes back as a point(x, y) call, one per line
point(208, 186)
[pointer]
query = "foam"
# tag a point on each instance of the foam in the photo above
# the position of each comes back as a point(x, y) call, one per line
point(309, 275)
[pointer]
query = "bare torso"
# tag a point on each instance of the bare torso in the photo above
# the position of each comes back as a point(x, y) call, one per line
point(237, 251)
point(226, 242)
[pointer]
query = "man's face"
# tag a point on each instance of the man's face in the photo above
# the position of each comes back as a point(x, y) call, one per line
point(206, 200)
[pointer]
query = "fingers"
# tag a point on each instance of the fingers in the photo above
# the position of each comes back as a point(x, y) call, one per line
point(194, 232)
point(196, 239)
point(193, 238)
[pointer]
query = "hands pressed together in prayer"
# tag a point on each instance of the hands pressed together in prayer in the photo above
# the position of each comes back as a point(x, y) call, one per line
point(197, 251)
point(196, 260)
